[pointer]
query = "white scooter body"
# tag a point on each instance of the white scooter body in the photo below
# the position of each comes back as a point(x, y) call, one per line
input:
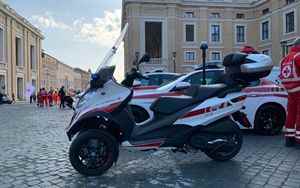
point(103, 120)
point(103, 99)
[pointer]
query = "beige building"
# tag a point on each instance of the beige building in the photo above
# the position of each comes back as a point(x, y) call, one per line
point(65, 76)
point(55, 74)
point(49, 71)
point(175, 28)
point(20, 53)
point(82, 79)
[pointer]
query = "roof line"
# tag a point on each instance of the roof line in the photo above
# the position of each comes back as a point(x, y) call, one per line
point(6, 9)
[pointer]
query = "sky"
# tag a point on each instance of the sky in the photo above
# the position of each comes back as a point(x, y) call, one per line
point(77, 32)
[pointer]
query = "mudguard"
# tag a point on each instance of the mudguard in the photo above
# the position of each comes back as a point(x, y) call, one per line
point(122, 121)
point(89, 121)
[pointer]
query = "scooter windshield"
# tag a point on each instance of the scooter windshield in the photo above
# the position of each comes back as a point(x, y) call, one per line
point(107, 65)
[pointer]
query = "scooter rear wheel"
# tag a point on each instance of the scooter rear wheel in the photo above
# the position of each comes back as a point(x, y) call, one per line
point(93, 152)
point(228, 150)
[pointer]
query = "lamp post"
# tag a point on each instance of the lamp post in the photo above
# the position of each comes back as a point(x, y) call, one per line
point(174, 60)
point(204, 48)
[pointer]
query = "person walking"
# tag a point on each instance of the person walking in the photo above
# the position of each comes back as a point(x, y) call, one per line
point(290, 77)
point(55, 96)
point(39, 98)
point(44, 95)
point(13, 97)
point(50, 97)
point(62, 95)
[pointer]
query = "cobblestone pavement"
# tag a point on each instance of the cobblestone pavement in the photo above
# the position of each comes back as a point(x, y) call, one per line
point(34, 151)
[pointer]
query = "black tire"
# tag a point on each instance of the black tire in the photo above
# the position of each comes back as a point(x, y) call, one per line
point(86, 148)
point(269, 119)
point(229, 151)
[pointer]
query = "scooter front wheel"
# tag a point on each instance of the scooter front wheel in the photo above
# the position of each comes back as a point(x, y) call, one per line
point(93, 152)
point(227, 150)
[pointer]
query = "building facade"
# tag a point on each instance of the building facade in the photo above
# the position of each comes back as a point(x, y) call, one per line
point(82, 79)
point(49, 73)
point(172, 30)
point(65, 76)
point(55, 74)
point(20, 53)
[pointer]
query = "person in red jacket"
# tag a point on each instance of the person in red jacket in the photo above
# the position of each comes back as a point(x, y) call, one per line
point(290, 76)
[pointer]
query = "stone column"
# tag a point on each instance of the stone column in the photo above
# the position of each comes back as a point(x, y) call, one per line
point(8, 46)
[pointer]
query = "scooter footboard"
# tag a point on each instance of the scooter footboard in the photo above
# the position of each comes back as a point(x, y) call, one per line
point(223, 126)
point(214, 135)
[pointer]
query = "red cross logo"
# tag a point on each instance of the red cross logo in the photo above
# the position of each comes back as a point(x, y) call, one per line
point(286, 71)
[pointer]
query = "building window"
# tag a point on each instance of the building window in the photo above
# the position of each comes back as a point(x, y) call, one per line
point(240, 34)
point(215, 56)
point(188, 14)
point(240, 16)
point(215, 32)
point(265, 30)
point(189, 32)
point(33, 83)
point(290, 22)
point(215, 15)
point(265, 11)
point(19, 52)
point(153, 39)
point(32, 57)
point(189, 56)
point(289, 1)
point(286, 47)
point(1, 44)
point(266, 52)
point(2, 84)
point(20, 88)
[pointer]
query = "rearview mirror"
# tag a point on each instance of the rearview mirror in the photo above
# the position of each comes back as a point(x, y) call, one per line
point(145, 58)
point(182, 85)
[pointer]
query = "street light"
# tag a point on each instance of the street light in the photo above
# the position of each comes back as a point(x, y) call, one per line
point(174, 61)
point(204, 48)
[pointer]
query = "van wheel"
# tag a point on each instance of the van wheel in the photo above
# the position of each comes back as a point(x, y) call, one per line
point(269, 119)
point(93, 152)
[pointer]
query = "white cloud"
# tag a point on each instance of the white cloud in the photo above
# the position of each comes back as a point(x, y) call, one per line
point(102, 31)
point(48, 21)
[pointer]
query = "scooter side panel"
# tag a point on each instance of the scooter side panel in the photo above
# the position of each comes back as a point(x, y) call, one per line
point(211, 110)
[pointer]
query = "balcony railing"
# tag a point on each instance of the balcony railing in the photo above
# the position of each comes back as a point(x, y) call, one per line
point(158, 61)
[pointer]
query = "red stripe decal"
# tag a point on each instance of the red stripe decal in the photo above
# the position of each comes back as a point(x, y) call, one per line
point(268, 95)
point(262, 89)
point(151, 96)
point(145, 88)
point(195, 113)
point(109, 108)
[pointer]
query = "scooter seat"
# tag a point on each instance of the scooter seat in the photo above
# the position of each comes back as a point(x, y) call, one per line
point(169, 105)
point(202, 93)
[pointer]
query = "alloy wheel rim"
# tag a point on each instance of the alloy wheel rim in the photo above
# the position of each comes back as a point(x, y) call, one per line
point(93, 154)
